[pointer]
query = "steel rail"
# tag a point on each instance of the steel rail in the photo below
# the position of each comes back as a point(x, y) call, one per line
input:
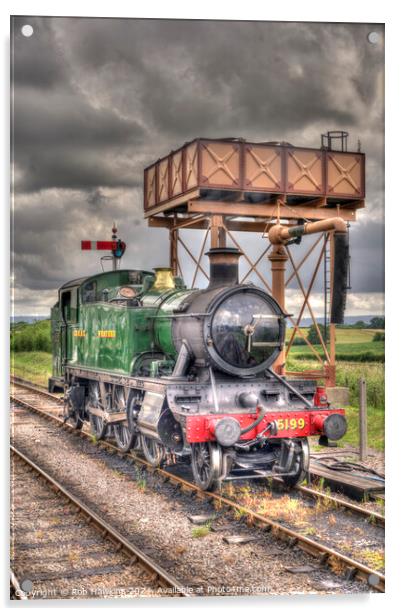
point(371, 516)
point(326, 555)
point(34, 388)
point(158, 574)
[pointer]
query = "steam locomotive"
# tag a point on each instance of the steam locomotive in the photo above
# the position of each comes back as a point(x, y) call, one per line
point(186, 375)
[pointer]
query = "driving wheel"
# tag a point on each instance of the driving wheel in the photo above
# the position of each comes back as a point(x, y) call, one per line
point(125, 437)
point(206, 460)
point(152, 450)
point(300, 464)
point(98, 425)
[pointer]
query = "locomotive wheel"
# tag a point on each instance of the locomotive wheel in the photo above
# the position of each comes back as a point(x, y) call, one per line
point(206, 462)
point(301, 460)
point(98, 425)
point(152, 450)
point(125, 438)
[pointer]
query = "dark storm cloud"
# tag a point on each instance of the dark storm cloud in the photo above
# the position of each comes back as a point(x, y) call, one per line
point(60, 140)
point(208, 75)
point(77, 169)
point(96, 199)
point(96, 100)
point(50, 226)
point(62, 118)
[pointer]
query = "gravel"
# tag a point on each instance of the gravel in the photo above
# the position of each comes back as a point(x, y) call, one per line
point(56, 554)
point(154, 516)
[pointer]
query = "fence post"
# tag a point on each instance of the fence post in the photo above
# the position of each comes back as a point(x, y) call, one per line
point(363, 420)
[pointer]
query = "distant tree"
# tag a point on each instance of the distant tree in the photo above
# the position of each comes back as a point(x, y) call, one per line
point(378, 337)
point(360, 325)
point(298, 341)
point(377, 323)
point(313, 336)
point(31, 337)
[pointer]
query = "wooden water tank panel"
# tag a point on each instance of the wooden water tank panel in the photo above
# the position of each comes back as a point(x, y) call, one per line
point(191, 165)
point(218, 165)
point(176, 172)
point(263, 168)
point(345, 174)
point(305, 171)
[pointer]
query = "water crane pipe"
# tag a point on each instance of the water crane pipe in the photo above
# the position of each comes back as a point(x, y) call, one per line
point(280, 234)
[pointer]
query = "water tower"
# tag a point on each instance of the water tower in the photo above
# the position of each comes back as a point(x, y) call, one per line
point(278, 191)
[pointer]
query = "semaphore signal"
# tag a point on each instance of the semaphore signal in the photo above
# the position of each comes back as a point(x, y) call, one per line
point(115, 245)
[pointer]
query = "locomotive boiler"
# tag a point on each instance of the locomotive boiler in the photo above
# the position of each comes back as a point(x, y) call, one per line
point(186, 376)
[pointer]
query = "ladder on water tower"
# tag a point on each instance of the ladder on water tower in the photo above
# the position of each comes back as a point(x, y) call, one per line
point(326, 290)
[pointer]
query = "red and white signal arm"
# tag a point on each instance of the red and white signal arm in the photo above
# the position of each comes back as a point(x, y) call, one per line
point(117, 247)
point(106, 245)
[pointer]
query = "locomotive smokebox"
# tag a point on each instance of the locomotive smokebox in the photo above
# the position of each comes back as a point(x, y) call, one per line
point(223, 266)
point(232, 328)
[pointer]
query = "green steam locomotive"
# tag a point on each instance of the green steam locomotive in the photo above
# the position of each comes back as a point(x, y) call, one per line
point(186, 375)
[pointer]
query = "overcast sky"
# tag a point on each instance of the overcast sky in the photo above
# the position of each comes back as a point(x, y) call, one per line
point(97, 100)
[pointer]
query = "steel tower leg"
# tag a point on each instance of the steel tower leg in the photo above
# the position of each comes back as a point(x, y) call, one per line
point(278, 258)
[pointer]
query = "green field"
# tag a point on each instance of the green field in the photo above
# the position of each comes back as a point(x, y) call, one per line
point(351, 345)
point(36, 366)
point(348, 375)
point(357, 357)
point(33, 366)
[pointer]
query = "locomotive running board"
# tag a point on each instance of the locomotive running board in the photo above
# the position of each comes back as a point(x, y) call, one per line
point(150, 384)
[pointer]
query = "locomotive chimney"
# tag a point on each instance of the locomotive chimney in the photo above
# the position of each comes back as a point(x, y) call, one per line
point(223, 266)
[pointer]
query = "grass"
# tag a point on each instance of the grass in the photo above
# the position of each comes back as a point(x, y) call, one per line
point(324, 502)
point(239, 513)
point(346, 336)
point(373, 558)
point(33, 366)
point(375, 428)
point(141, 484)
point(310, 531)
point(351, 345)
point(348, 375)
point(285, 508)
point(201, 531)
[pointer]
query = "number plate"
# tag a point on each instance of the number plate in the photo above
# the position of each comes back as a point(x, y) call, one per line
point(294, 423)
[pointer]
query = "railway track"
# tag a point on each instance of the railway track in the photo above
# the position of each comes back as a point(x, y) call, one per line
point(327, 555)
point(306, 491)
point(66, 531)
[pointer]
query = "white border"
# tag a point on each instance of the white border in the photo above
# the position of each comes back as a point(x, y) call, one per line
point(291, 10)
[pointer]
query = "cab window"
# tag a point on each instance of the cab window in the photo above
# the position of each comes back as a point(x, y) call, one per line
point(89, 291)
point(68, 306)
